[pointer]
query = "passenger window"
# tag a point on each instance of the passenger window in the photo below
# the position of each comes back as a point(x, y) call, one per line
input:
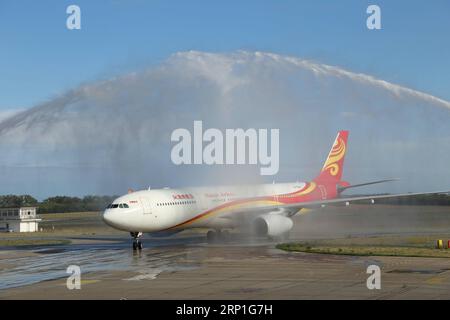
point(125, 205)
point(120, 205)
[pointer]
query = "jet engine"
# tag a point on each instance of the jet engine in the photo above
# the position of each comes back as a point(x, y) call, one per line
point(272, 225)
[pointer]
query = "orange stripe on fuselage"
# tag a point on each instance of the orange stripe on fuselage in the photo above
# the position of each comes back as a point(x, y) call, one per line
point(222, 208)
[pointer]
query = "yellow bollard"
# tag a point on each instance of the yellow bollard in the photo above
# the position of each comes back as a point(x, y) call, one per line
point(440, 244)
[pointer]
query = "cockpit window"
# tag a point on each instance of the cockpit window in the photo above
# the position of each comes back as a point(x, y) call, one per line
point(116, 205)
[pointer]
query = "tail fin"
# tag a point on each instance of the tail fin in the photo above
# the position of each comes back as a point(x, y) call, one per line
point(334, 165)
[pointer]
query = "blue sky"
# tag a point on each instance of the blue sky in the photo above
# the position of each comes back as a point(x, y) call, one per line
point(40, 58)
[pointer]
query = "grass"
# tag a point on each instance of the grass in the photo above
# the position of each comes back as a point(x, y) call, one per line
point(359, 250)
point(32, 242)
point(69, 215)
point(57, 228)
point(60, 225)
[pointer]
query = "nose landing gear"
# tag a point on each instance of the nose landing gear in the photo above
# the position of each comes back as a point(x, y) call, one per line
point(137, 244)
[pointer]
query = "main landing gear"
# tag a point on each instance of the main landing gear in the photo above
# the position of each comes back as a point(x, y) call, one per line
point(137, 244)
point(217, 236)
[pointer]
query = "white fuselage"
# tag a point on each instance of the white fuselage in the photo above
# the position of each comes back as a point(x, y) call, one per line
point(178, 209)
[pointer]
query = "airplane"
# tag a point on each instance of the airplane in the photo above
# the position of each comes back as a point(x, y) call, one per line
point(264, 209)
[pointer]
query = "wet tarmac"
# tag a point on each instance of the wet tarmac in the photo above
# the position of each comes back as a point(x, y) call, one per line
point(48, 263)
point(186, 267)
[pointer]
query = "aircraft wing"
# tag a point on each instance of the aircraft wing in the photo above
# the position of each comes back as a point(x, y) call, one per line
point(344, 200)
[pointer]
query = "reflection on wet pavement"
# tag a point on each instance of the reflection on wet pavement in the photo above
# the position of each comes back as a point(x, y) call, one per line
point(50, 264)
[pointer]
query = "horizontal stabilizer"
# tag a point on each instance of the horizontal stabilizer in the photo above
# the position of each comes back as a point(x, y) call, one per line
point(343, 188)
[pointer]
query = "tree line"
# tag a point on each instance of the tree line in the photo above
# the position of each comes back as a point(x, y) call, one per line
point(62, 204)
point(58, 204)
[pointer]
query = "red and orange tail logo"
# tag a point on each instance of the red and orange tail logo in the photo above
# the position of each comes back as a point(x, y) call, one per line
point(334, 165)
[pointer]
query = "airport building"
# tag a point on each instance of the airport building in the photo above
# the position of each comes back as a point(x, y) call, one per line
point(23, 219)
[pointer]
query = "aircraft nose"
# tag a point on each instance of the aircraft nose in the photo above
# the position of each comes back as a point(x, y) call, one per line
point(125, 219)
point(108, 217)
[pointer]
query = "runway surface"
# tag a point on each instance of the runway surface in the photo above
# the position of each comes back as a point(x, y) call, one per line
point(185, 267)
